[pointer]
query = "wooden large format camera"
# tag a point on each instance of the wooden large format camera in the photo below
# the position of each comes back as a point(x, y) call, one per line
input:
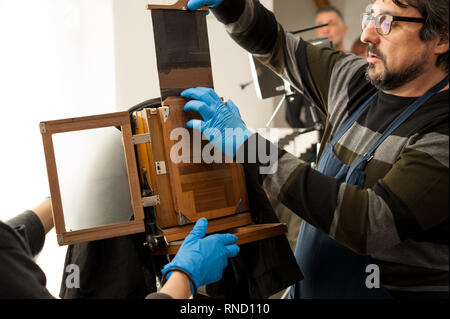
point(165, 197)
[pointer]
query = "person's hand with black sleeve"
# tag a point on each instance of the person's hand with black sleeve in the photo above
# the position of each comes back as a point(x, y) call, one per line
point(200, 261)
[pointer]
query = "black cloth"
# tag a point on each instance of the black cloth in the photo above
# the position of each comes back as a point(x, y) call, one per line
point(262, 268)
point(21, 239)
point(116, 268)
point(122, 267)
point(298, 113)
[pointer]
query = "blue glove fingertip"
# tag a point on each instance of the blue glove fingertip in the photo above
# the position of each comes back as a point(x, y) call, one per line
point(200, 227)
point(229, 239)
point(195, 4)
point(185, 93)
point(232, 251)
point(190, 124)
point(196, 125)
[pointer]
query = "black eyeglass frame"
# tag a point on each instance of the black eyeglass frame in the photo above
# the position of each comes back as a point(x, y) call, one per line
point(393, 18)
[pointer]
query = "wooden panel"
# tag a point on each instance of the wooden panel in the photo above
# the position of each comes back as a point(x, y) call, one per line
point(133, 179)
point(148, 154)
point(182, 50)
point(215, 225)
point(216, 188)
point(246, 234)
point(121, 119)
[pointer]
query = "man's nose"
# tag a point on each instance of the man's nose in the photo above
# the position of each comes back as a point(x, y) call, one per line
point(322, 32)
point(370, 34)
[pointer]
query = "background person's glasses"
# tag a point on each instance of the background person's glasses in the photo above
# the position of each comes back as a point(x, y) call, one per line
point(383, 21)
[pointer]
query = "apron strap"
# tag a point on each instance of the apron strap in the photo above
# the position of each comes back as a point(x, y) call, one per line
point(395, 124)
point(405, 115)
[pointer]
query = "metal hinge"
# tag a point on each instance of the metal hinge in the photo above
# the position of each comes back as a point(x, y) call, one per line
point(136, 122)
point(165, 112)
point(160, 168)
point(42, 127)
point(150, 201)
point(183, 220)
point(142, 139)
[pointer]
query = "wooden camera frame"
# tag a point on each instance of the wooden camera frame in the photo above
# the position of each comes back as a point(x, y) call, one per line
point(175, 213)
point(121, 120)
point(180, 194)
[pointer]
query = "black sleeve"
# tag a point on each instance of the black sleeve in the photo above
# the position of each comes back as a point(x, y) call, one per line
point(20, 276)
point(229, 11)
point(261, 36)
point(29, 226)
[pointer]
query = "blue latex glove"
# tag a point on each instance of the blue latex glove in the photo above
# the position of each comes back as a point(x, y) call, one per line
point(204, 259)
point(222, 124)
point(197, 4)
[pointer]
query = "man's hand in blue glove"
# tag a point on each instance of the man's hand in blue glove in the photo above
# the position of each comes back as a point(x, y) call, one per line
point(204, 259)
point(197, 4)
point(222, 124)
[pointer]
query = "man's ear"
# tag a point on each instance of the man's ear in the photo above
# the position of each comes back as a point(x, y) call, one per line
point(442, 44)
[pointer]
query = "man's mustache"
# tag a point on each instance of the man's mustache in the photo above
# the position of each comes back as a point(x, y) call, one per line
point(372, 49)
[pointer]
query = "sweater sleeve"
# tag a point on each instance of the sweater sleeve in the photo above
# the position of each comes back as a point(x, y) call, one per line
point(21, 277)
point(29, 226)
point(306, 67)
point(365, 220)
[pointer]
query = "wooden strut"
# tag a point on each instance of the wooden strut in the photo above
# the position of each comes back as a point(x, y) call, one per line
point(179, 5)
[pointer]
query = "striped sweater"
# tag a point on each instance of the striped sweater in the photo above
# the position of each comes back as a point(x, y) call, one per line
point(400, 217)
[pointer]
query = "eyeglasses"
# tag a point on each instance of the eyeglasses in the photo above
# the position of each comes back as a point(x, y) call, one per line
point(383, 21)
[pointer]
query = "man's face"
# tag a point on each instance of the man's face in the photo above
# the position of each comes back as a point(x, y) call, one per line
point(400, 56)
point(336, 29)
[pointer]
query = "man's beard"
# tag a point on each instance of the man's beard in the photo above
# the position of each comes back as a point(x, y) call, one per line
point(390, 80)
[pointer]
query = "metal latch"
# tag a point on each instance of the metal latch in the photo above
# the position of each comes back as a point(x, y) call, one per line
point(151, 201)
point(142, 138)
point(160, 168)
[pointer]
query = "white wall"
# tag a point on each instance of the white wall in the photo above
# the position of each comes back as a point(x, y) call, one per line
point(137, 78)
point(56, 61)
point(351, 9)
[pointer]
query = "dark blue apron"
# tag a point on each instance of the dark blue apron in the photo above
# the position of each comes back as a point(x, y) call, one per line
point(331, 270)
